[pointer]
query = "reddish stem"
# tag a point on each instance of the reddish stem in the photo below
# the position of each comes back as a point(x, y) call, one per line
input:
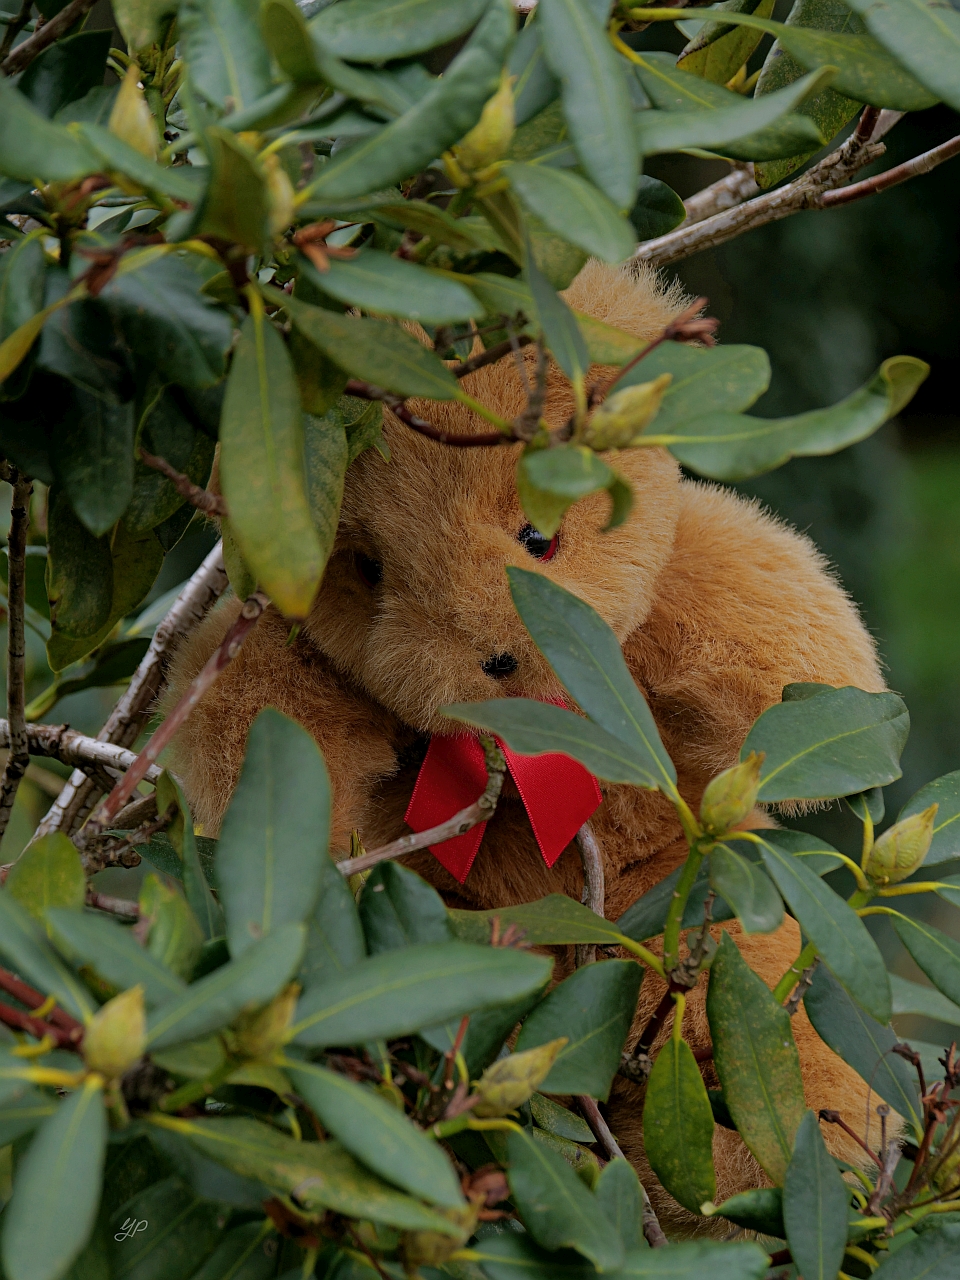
point(34, 999)
point(21, 1021)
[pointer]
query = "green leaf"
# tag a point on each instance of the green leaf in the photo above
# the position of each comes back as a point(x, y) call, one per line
point(373, 350)
point(378, 282)
point(181, 1231)
point(399, 909)
point(930, 1256)
point(262, 468)
point(111, 951)
point(593, 1008)
point(818, 856)
point(322, 1175)
point(549, 481)
point(756, 1059)
point(274, 833)
point(730, 446)
point(94, 459)
point(718, 50)
point(758, 1210)
point(911, 997)
point(374, 31)
point(695, 113)
point(561, 1121)
point(863, 1043)
point(536, 728)
point(834, 744)
point(865, 71)
point(377, 1134)
point(241, 1255)
point(574, 209)
point(214, 1001)
point(534, 87)
point(921, 34)
point(334, 933)
point(175, 937)
point(432, 221)
point(117, 156)
point(945, 793)
point(936, 954)
point(486, 1032)
point(165, 319)
point(748, 890)
point(225, 56)
point(556, 1207)
point(586, 655)
point(725, 377)
point(49, 873)
point(657, 210)
point(449, 109)
point(835, 929)
point(138, 20)
point(37, 150)
point(678, 1126)
point(23, 269)
point(65, 71)
point(557, 323)
point(79, 572)
point(648, 915)
point(181, 835)
point(620, 1196)
point(21, 1112)
point(552, 921)
point(26, 951)
point(399, 991)
point(235, 205)
point(57, 1189)
point(167, 432)
point(814, 1205)
point(596, 100)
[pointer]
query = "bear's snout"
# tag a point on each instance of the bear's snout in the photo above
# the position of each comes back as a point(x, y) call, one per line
point(499, 665)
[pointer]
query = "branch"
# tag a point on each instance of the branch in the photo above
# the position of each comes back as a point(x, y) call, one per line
point(591, 1113)
point(806, 981)
point(737, 186)
point(480, 811)
point(211, 504)
point(892, 177)
point(250, 613)
point(37, 1028)
point(34, 1000)
point(398, 407)
point(59, 742)
point(688, 326)
point(14, 26)
point(805, 192)
point(594, 889)
point(491, 355)
point(58, 25)
point(127, 718)
point(19, 756)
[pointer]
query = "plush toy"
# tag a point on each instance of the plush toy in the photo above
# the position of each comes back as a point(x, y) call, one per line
point(716, 603)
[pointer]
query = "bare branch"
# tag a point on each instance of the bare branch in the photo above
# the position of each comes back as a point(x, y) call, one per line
point(20, 1021)
point(211, 504)
point(731, 190)
point(128, 717)
point(58, 742)
point(34, 999)
point(250, 613)
point(115, 906)
point(398, 407)
point(591, 1113)
point(594, 889)
point(19, 757)
point(58, 25)
point(480, 811)
point(802, 987)
point(892, 177)
point(14, 26)
point(491, 355)
point(689, 325)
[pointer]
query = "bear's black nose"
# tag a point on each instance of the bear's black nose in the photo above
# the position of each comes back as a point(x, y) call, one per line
point(500, 665)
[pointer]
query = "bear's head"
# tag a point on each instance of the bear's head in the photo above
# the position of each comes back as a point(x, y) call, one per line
point(415, 604)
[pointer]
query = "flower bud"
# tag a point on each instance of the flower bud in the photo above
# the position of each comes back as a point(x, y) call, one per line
point(490, 137)
point(259, 1034)
point(508, 1084)
point(433, 1248)
point(901, 848)
point(116, 1037)
point(131, 118)
point(280, 194)
point(623, 417)
point(731, 795)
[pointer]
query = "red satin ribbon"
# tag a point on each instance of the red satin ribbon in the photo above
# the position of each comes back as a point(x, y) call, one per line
point(558, 794)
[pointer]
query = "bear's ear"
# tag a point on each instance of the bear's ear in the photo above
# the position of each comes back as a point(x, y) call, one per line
point(630, 297)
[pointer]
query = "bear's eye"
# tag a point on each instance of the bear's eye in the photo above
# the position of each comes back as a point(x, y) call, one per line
point(370, 570)
point(539, 546)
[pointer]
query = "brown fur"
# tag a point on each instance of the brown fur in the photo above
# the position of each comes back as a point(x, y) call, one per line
point(717, 605)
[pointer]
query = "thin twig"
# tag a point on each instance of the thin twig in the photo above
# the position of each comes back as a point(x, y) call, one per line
point(60, 23)
point(601, 1130)
point(250, 613)
point(527, 423)
point(59, 742)
point(480, 811)
point(594, 888)
point(729, 191)
point(127, 719)
point(800, 990)
point(688, 326)
point(34, 999)
point(120, 851)
point(398, 407)
point(834, 1117)
point(491, 355)
point(19, 756)
point(36, 1027)
point(892, 177)
point(14, 27)
point(211, 504)
point(115, 906)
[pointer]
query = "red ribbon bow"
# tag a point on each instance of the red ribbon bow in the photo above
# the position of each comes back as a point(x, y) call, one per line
point(558, 794)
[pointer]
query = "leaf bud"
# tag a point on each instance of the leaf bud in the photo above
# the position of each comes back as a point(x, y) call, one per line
point(509, 1083)
point(902, 848)
point(116, 1037)
point(260, 1034)
point(433, 1248)
point(489, 139)
point(624, 416)
point(731, 795)
point(131, 118)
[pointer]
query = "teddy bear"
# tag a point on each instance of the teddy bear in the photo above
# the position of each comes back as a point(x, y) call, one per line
point(716, 603)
